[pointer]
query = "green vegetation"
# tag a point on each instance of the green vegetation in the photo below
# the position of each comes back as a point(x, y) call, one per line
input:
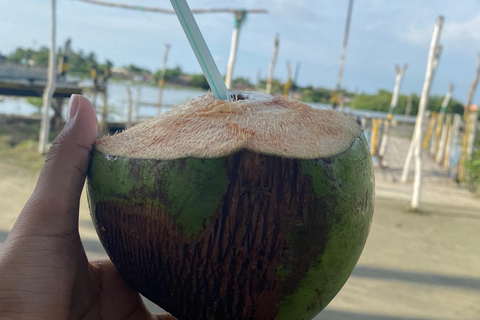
point(81, 64)
point(170, 74)
point(23, 154)
point(199, 81)
point(381, 102)
point(472, 169)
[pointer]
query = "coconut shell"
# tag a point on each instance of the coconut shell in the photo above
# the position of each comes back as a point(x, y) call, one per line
point(244, 234)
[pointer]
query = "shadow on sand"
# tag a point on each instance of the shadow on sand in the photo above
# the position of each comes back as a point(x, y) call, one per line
point(467, 283)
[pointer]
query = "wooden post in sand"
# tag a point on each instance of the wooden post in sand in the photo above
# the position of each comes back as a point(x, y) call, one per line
point(161, 81)
point(288, 84)
point(129, 106)
point(240, 17)
point(466, 133)
point(433, 59)
point(272, 65)
point(442, 147)
point(431, 127)
point(399, 72)
point(343, 55)
point(436, 138)
point(50, 88)
point(408, 107)
point(136, 107)
point(432, 63)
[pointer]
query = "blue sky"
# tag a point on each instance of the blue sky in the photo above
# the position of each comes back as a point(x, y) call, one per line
point(383, 32)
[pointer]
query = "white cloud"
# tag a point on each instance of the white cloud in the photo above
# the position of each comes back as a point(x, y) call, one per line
point(465, 31)
point(417, 35)
point(458, 33)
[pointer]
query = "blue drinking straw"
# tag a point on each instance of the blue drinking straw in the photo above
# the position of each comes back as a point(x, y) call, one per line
point(199, 46)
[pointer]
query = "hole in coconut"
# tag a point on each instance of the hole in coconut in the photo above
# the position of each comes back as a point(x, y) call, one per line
point(238, 97)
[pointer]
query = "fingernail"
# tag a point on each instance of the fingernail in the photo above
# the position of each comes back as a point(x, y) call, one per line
point(72, 107)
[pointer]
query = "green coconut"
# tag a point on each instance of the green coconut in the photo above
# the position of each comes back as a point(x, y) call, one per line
point(257, 208)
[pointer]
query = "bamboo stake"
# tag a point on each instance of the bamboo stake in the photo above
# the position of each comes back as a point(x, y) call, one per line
point(50, 88)
point(435, 136)
point(471, 134)
point(441, 117)
point(136, 107)
point(428, 134)
point(375, 123)
point(466, 133)
point(296, 73)
point(343, 55)
point(443, 140)
point(450, 140)
point(288, 84)
point(161, 81)
point(129, 106)
point(272, 65)
point(240, 17)
point(399, 72)
point(104, 127)
point(431, 67)
point(433, 59)
point(408, 107)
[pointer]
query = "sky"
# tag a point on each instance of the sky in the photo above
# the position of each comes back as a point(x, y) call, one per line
point(383, 33)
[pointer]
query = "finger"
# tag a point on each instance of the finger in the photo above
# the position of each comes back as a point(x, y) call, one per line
point(53, 207)
point(118, 299)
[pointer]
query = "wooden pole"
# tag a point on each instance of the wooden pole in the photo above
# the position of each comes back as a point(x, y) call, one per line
point(296, 73)
point(452, 140)
point(50, 88)
point(408, 107)
point(443, 140)
point(272, 65)
point(433, 59)
point(428, 134)
point(168, 11)
point(161, 81)
point(373, 149)
point(344, 53)
point(471, 134)
point(104, 127)
point(449, 143)
point(399, 72)
point(136, 107)
point(129, 106)
point(466, 133)
point(240, 17)
point(288, 84)
point(63, 63)
point(436, 138)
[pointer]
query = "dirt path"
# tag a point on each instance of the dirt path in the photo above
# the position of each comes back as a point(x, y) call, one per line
point(415, 266)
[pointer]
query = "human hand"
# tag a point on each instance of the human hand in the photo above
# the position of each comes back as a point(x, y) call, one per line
point(44, 271)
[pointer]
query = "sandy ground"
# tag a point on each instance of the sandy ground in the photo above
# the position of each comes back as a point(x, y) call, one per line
point(421, 266)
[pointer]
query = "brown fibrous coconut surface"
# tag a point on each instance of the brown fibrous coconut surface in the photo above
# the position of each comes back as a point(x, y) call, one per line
point(210, 128)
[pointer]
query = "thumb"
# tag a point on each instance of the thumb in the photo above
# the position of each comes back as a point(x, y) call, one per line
point(53, 207)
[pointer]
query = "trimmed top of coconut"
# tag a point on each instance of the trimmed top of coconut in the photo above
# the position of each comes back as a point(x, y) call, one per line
point(209, 128)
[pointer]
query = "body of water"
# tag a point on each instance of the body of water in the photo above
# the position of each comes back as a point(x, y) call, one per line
point(117, 102)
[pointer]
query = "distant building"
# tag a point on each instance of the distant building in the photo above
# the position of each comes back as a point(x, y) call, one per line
point(3, 59)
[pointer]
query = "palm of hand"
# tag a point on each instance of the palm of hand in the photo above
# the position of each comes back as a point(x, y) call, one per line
point(44, 271)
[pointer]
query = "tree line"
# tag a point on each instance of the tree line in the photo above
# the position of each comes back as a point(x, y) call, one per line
point(81, 64)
